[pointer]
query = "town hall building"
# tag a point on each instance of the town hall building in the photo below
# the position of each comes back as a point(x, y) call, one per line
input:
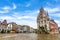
point(45, 24)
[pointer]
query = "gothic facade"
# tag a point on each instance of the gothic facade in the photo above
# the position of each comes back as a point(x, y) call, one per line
point(43, 22)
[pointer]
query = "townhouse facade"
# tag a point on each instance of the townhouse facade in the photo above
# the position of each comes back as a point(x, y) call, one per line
point(3, 26)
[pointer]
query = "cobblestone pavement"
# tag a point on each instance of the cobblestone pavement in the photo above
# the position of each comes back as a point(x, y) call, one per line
point(29, 36)
point(20, 36)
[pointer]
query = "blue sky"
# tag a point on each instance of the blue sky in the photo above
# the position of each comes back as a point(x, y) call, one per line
point(24, 12)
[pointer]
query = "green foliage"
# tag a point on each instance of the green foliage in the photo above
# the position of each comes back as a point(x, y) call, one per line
point(8, 31)
point(24, 31)
point(3, 31)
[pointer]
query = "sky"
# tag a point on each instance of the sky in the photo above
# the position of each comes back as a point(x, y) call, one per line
point(25, 12)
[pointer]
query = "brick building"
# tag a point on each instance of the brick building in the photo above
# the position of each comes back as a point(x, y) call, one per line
point(53, 26)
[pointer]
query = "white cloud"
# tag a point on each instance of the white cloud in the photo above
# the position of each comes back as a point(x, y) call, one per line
point(27, 13)
point(22, 20)
point(58, 22)
point(14, 6)
point(27, 22)
point(6, 17)
point(55, 15)
point(4, 11)
point(28, 4)
point(52, 10)
point(6, 8)
point(49, 4)
point(32, 11)
point(27, 17)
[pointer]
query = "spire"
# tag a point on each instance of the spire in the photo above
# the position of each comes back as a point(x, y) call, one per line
point(41, 10)
point(47, 14)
